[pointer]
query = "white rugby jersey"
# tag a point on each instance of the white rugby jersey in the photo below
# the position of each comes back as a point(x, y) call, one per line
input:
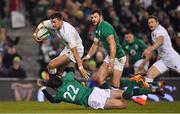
point(67, 35)
point(166, 48)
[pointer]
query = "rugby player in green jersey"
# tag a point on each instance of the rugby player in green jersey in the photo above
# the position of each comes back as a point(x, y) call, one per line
point(70, 90)
point(134, 48)
point(115, 60)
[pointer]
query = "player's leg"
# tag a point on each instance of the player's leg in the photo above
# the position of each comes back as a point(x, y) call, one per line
point(116, 103)
point(60, 62)
point(155, 70)
point(116, 94)
point(102, 75)
point(137, 65)
point(117, 73)
point(173, 62)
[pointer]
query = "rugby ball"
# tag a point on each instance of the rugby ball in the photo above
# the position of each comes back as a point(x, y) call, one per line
point(43, 33)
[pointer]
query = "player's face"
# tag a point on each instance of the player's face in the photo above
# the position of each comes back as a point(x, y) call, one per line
point(96, 18)
point(152, 23)
point(56, 23)
point(129, 37)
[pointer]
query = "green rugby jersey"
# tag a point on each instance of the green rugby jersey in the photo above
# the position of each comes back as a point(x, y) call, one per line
point(71, 91)
point(134, 49)
point(102, 31)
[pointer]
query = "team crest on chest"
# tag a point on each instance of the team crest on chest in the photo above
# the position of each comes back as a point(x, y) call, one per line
point(133, 52)
point(98, 32)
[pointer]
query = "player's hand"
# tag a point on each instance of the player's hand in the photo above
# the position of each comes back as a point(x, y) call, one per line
point(146, 52)
point(84, 73)
point(110, 66)
point(39, 83)
point(87, 57)
point(141, 67)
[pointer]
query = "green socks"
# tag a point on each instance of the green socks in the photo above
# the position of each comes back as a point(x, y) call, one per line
point(104, 86)
point(141, 91)
point(129, 91)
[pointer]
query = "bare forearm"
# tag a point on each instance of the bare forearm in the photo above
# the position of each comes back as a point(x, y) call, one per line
point(157, 44)
point(93, 49)
point(49, 97)
point(112, 51)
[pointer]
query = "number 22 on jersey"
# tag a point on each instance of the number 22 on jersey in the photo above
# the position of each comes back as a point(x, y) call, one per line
point(71, 95)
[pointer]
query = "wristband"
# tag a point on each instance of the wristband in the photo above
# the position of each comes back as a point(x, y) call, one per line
point(43, 87)
point(111, 60)
point(81, 67)
point(88, 56)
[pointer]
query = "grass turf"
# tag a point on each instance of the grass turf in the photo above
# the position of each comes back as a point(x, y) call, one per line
point(46, 107)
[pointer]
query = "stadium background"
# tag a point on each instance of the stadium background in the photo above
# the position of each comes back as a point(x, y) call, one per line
point(122, 14)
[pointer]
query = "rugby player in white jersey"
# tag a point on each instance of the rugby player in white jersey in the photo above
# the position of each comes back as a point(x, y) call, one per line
point(169, 58)
point(68, 35)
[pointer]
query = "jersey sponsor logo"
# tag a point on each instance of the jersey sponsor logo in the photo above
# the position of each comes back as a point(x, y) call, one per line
point(98, 32)
point(136, 46)
point(127, 47)
point(71, 92)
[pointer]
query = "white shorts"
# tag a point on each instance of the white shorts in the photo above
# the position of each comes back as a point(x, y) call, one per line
point(172, 62)
point(97, 99)
point(118, 62)
point(69, 53)
point(138, 63)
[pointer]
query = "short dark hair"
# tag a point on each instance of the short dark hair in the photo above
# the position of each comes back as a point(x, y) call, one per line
point(56, 15)
point(96, 11)
point(128, 32)
point(54, 82)
point(153, 17)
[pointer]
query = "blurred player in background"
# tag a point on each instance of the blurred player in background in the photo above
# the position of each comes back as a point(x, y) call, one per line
point(134, 48)
point(115, 60)
point(68, 35)
point(169, 58)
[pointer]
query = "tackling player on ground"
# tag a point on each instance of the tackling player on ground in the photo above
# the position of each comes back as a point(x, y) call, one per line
point(71, 91)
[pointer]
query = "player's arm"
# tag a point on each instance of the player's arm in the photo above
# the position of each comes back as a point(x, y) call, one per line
point(92, 50)
point(77, 57)
point(150, 49)
point(143, 46)
point(158, 43)
point(127, 61)
point(112, 46)
point(50, 97)
point(44, 24)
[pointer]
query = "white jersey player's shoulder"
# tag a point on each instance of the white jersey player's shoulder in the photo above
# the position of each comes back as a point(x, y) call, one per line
point(68, 26)
point(160, 30)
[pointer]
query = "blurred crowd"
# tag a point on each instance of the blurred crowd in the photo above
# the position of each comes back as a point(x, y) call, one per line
point(122, 14)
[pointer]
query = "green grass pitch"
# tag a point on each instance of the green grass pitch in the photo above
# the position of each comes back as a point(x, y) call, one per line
point(46, 107)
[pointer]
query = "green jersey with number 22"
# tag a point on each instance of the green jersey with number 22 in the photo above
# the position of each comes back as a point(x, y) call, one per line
point(71, 91)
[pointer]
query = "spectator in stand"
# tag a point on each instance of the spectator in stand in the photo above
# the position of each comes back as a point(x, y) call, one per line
point(16, 70)
point(2, 8)
point(9, 55)
point(3, 69)
point(2, 33)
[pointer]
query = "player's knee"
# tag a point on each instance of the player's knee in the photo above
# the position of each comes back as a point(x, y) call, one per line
point(123, 104)
point(100, 80)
